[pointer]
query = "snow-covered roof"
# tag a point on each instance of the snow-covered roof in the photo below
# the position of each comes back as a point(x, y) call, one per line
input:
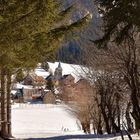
point(19, 86)
point(41, 72)
point(75, 70)
point(13, 92)
point(46, 90)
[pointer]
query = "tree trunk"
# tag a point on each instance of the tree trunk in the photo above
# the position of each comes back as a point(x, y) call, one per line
point(3, 104)
point(135, 92)
point(136, 110)
point(128, 119)
point(115, 127)
point(133, 81)
point(99, 129)
point(99, 125)
point(125, 128)
point(9, 102)
point(106, 119)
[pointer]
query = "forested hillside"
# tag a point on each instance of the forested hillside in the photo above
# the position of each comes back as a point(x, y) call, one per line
point(71, 50)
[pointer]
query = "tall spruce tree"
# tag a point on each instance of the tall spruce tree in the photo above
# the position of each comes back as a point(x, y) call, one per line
point(29, 30)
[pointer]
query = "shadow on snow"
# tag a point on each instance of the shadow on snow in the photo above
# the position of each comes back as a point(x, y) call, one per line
point(65, 137)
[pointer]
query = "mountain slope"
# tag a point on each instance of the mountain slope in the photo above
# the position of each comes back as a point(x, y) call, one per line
point(71, 49)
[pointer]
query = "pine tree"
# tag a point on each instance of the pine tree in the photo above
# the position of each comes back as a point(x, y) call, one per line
point(120, 19)
point(29, 30)
point(45, 65)
point(19, 76)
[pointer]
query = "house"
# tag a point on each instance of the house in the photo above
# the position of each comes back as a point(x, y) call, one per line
point(34, 80)
point(67, 88)
point(33, 94)
point(83, 86)
point(70, 91)
point(83, 91)
point(68, 80)
point(17, 95)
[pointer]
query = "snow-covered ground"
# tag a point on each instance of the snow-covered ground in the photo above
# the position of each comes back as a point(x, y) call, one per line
point(39, 120)
point(52, 122)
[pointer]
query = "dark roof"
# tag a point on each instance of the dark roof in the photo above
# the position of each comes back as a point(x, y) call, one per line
point(65, 76)
point(50, 77)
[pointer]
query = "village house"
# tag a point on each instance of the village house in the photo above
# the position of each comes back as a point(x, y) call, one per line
point(67, 87)
point(17, 95)
point(34, 80)
point(84, 90)
point(67, 80)
point(71, 91)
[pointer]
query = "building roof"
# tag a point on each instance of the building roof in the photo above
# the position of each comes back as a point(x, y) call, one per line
point(35, 77)
point(50, 77)
point(67, 75)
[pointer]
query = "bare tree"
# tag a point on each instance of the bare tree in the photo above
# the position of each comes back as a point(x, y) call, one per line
point(79, 98)
point(109, 84)
point(126, 58)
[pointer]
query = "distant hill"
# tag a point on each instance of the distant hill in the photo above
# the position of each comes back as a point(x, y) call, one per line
point(70, 51)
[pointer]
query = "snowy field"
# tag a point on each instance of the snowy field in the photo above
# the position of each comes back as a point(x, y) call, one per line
point(49, 122)
point(37, 120)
